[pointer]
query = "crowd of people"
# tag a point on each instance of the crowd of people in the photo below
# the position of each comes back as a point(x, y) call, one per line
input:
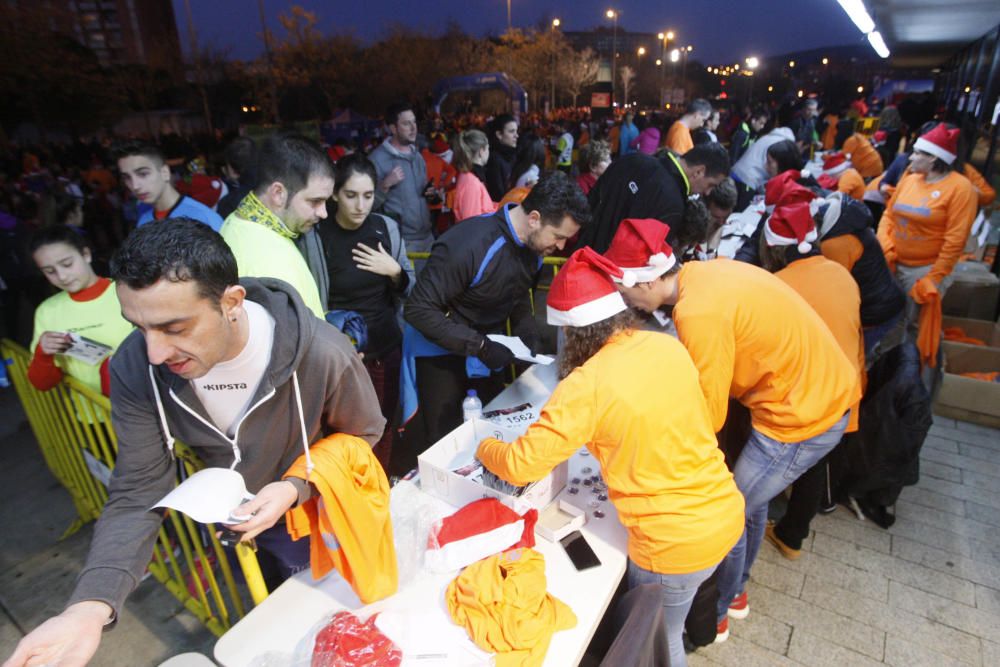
point(251, 313)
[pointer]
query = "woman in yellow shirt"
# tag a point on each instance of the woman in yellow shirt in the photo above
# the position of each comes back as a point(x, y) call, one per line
point(632, 398)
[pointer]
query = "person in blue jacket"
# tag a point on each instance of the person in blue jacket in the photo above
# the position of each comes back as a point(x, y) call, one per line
point(146, 174)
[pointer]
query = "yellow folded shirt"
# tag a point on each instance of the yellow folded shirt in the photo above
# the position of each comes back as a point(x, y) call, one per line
point(502, 603)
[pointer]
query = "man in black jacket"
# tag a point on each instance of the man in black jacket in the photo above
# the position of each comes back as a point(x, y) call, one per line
point(643, 186)
point(478, 277)
point(503, 154)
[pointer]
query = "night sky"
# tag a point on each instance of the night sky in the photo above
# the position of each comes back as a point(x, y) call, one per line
point(720, 30)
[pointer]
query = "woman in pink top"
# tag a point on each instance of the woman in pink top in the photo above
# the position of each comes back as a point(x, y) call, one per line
point(472, 149)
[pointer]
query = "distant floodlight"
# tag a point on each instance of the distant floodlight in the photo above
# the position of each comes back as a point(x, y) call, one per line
point(752, 62)
point(856, 12)
point(675, 55)
point(875, 39)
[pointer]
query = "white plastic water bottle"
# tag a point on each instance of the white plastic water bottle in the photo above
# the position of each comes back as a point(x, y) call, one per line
point(472, 407)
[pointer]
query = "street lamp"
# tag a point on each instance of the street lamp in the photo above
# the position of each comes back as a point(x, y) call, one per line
point(826, 61)
point(675, 55)
point(552, 92)
point(613, 15)
point(791, 63)
point(752, 62)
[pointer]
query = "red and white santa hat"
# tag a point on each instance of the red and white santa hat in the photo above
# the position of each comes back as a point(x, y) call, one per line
point(583, 293)
point(785, 186)
point(479, 530)
point(791, 224)
point(835, 163)
point(940, 142)
point(640, 250)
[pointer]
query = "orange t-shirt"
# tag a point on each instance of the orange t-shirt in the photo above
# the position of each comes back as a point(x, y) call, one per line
point(852, 184)
point(833, 293)
point(984, 190)
point(754, 338)
point(653, 437)
point(863, 155)
point(679, 138)
point(845, 250)
point(928, 223)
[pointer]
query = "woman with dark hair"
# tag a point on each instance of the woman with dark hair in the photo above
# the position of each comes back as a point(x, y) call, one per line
point(369, 274)
point(530, 162)
point(654, 440)
point(781, 157)
point(924, 228)
point(86, 303)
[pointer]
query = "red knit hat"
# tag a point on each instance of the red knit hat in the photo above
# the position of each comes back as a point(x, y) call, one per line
point(641, 251)
point(582, 293)
point(940, 142)
point(834, 163)
point(791, 224)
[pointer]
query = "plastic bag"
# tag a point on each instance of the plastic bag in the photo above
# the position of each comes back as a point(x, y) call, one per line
point(413, 516)
point(347, 641)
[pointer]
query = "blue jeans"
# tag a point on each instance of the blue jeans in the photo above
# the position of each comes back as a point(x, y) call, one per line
point(678, 594)
point(874, 335)
point(765, 467)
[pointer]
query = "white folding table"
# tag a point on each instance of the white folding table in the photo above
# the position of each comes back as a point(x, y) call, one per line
point(284, 619)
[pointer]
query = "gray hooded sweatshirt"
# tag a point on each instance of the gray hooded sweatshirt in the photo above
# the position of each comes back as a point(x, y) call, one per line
point(404, 201)
point(151, 406)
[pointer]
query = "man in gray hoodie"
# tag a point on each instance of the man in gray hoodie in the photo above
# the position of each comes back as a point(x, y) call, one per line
point(402, 179)
point(240, 371)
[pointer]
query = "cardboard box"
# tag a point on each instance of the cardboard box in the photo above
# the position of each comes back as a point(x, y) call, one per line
point(986, 331)
point(964, 398)
point(974, 293)
point(559, 520)
point(455, 451)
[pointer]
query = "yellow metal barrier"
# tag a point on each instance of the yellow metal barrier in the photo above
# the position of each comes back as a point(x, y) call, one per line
point(72, 424)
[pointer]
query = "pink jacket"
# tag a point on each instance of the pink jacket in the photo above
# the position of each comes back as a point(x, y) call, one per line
point(648, 141)
point(471, 198)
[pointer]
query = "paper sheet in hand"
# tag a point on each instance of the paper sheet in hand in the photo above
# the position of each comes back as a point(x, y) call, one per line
point(520, 350)
point(209, 496)
point(87, 351)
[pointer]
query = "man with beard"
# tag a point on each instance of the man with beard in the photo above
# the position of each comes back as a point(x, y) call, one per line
point(403, 186)
point(270, 231)
point(478, 277)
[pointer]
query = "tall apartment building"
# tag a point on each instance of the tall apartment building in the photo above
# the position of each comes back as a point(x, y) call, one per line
point(126, 31)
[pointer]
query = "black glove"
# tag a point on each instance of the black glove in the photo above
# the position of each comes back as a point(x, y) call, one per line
point(527, 331)
point(494, 355)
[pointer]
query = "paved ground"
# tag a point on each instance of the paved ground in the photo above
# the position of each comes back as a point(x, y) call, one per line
point(925, 592)
point(37, 571)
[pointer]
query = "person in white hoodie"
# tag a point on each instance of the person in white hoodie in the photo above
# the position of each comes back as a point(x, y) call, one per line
point(750, 171)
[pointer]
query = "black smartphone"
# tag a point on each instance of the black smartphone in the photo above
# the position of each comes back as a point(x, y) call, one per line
point(579, 551)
